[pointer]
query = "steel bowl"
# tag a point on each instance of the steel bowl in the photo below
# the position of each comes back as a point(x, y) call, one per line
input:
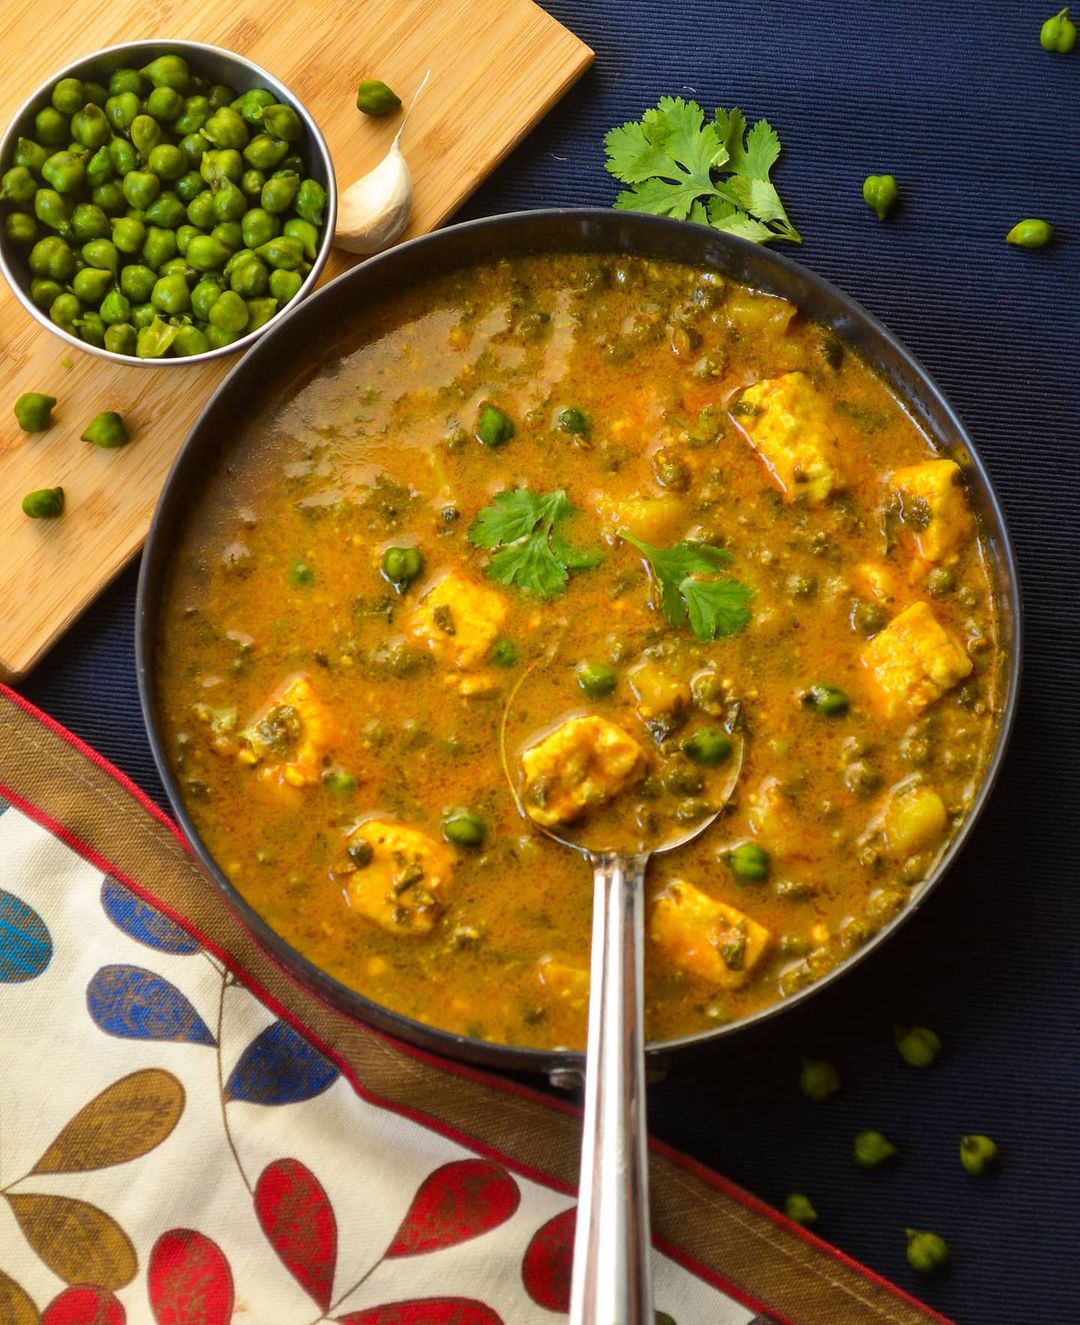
point(306, 337)
point(217, 66)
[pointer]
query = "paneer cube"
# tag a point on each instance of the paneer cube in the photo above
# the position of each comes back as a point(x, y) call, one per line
point(786, 420)
point(935, 507)
point(565, 983)
point(655, 520)
point(912, 662)
point(884, 581)
point(582, 764)
point(288, 740)
point(396, 876)
point(707, 938)
point(459, 620)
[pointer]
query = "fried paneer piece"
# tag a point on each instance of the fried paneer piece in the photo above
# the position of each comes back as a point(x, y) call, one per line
point(289, 739)
point(786, 420)
point(935, 508)
point(707, 938)
point(396, 876)
point(459, 620)
point(912, 662)
point(582, 764)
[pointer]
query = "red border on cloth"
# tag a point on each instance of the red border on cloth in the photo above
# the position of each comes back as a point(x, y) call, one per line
point(693, 1166)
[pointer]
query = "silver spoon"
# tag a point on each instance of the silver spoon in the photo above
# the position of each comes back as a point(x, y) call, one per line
point(612, 1277)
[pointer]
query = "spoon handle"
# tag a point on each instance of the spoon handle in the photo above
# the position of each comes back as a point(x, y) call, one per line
point(612, 1282)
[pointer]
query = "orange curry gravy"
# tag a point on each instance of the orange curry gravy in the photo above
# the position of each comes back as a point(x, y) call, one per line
point(329, 727)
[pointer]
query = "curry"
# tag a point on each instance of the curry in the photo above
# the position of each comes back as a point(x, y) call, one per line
point(602, 543)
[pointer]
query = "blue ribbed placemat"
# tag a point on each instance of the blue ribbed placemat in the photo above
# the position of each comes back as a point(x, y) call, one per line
point(981, 128)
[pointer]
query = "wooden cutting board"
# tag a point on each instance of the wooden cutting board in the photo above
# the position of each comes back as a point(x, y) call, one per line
point(497, 66)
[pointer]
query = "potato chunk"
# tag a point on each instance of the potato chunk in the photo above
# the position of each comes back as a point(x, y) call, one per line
point(658, 691)
point(655, 520)
point(289, 738)
point(786, 421)
point(708, 938)
point(912, 662)
point(914, 820)
point(459, 620)
point(396, 876)
point(935, 507)
point(567, 984)
point(582, 764)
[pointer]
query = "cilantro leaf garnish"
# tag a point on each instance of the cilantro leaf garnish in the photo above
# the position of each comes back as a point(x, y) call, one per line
point(715, 608)
point(715, 173)
point(521, 530)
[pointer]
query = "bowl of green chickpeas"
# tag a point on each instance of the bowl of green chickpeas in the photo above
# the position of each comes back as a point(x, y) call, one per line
point(162, 201)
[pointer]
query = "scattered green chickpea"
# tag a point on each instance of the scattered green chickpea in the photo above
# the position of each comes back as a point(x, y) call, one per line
point(709, 746)
point(918, 1046)
point(301, 573)
point(1030, 233)
point(818, 1079)
point(463, 828)
point(402, 565)
point(33, 411)
point(749, 862)
point(44, 503)
point(880, 193)
point(926, 1252)
point(977, 1154)
point(1058, 33)
point(108, 430)
point(799, 1208)
point(493, 427)
point(828, 700)
point(871, 1149)
point(339, 782)
point(373, 97)
point(575, 420)
point(504, 653)
point(597, 679)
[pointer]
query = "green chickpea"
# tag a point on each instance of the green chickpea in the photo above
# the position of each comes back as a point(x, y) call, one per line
point(189, 186)
point(89, 222)
point(64, 171)
point(204, 296)
point(220, 95)
point(818, 1079)
point(799, 1209)
point(504, 653)
point(168, 71)
point(159, 246)
point(220, 165)
point(164, 103)
point(301, 573)
point(107, 430)
point(229, 202)
point(258, 226)
point(90, 328)
point(252, 104)
point(51, 127)
point(977, 1154)
point(1031, 233)
point(145, 134)
point(100, 167)
point(880, 193)
point(280, 192)
point(33, 411)
point(52, 257)
point(205, 253)
point(193, 115)
point(285, 285)
point(282, 252)
point(127, 80)
point(194, 148)
point(166, 210)
point(574, 420)
point(283, 122)
point(18, 185)
point(310, 201)
point(189, 340)
point(155, 340)
point(171, 295)
point(142, 315)
point(871, 1149)
point(217, 337)
point(123, 156)
point(137, 281)
point(749, 862)
point(250, 279)
point(1058, 33)
point(265, 152)
point(64, 311)
point(306, 233)
point(926, 1252)
point(43, 291)
point(225, 129)
point(178, 267)
point(251, 182)
point(30, 154)
point(828, 700)
point(464, 828)
point(90, 126)
point(20, 228)
point(44, 503)
point(54, 210)
point(230, 234)
point(709, 746)
point(260, 311)
point(120, 338)
point(493, 427)
point(201, 210)
point(374, 98)
point(918, 1045)
point(96, 93)
point(115, 308)
point(140, 188)
point(68, 95)
point(128, 234)
point(597, 679)
point(121, 111)
point(166, 162)
point(90, 285)
point(229, 312)
point(339, 782)
point(101, 253)
point(402, 565)
point(294, 163)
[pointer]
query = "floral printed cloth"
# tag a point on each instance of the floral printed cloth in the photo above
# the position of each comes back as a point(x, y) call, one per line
point(188, 1138)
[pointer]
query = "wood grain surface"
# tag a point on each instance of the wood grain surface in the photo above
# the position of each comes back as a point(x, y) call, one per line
point(497, 66)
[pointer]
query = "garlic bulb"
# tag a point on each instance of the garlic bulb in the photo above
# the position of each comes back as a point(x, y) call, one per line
point(374, 211)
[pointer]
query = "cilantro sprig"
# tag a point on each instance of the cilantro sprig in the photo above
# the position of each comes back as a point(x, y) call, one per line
point(521, 527)
point(716, 173)
point(715, 607)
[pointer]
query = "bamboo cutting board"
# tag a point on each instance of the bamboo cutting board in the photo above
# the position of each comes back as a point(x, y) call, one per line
point(497, 66)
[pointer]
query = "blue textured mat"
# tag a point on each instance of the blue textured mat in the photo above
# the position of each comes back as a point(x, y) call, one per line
point(981, 128)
